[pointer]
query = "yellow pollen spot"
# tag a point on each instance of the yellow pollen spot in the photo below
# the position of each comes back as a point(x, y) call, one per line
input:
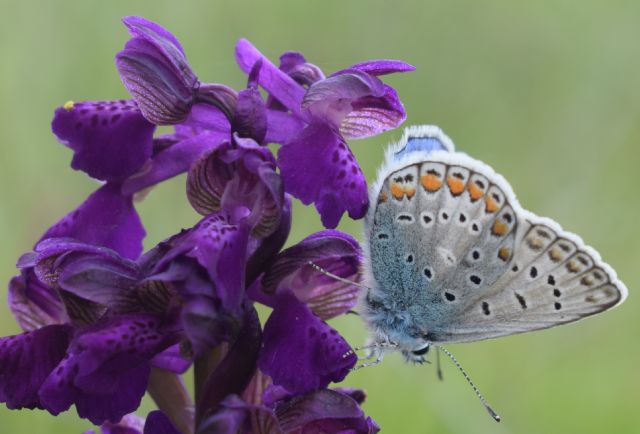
point(491, 205)
point(474, 191)
point(499, 228)
point(503, 253)
point(572, 266)
point(555, 255)
point(68, 106)
point(455, 185)
point(431, 182)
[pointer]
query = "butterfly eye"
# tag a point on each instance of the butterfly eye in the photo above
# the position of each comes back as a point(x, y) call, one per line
point(421, 351)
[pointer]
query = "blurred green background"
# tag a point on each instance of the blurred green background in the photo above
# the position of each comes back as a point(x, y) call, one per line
point(548, 93)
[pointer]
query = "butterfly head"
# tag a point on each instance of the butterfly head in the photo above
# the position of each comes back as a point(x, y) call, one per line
point(396, 327)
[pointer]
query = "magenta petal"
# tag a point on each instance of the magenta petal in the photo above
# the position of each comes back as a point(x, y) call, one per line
point(33, 304)
point(282, 126)
point(110, 139)
point(301, 352)
point(171, 360)
point(323, 411)
point(173, 161)
point(130, 424)
point(336, 252)
point(107, 369)
point(250, 119)
point(372, 115)
point(242, 181)
point(275, 81)
point(380, 67)
point(155, 71)
point(318, 167)
point(331, 99)
point(26, 361)
point(158, 423)
point(106, 218)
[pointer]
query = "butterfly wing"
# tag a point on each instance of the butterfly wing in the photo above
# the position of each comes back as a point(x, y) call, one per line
point(451, 249)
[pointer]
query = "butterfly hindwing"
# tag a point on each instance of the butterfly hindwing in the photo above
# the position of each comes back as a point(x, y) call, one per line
point(453, 253)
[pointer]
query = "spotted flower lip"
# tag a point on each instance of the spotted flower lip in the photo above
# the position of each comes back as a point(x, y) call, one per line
point(111, 140)
point(301, 352)
point(316, 164)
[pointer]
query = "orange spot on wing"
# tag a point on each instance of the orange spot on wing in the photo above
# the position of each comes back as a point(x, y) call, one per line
point(474, 191)
point(499, 228)
point(490, 204)
point(397, 191)
point(382, 197)
point(455, 185)
point(503, 253)
point(431, 182)
point(410, 192)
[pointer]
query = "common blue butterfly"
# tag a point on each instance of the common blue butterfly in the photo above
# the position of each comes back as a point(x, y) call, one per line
point(451, 256)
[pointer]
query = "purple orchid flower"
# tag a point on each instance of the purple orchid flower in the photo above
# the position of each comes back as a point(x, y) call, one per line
point(104, 324)
point(316, 164)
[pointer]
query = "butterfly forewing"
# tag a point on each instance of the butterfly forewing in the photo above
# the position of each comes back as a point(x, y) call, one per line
point(452, 248)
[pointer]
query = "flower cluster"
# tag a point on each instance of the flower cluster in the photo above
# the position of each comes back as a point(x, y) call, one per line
point(104, 323)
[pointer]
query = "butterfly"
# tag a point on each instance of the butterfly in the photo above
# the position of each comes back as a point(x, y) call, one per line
point(451, 256)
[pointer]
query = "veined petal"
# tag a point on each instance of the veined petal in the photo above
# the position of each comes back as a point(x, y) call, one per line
point(317, 166)
point(110, 139)
point(380, 67)
point(106, 218)
point(33, 304)
point(301, 352)
point(164, 41)
point(275, 81)
point(323, 411)
point(373, 115)
point(331, 99)
point(240, 180)
point(236, 416)
point(336, 252)
point(155, 71)
point(163, 97)
point(26, 361)
point(173, 161)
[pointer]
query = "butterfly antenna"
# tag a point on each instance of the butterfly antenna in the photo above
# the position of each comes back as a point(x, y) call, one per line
point(493, 414)
point(334, 277)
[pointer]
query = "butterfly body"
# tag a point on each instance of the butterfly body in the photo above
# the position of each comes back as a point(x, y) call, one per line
point(451, 256)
